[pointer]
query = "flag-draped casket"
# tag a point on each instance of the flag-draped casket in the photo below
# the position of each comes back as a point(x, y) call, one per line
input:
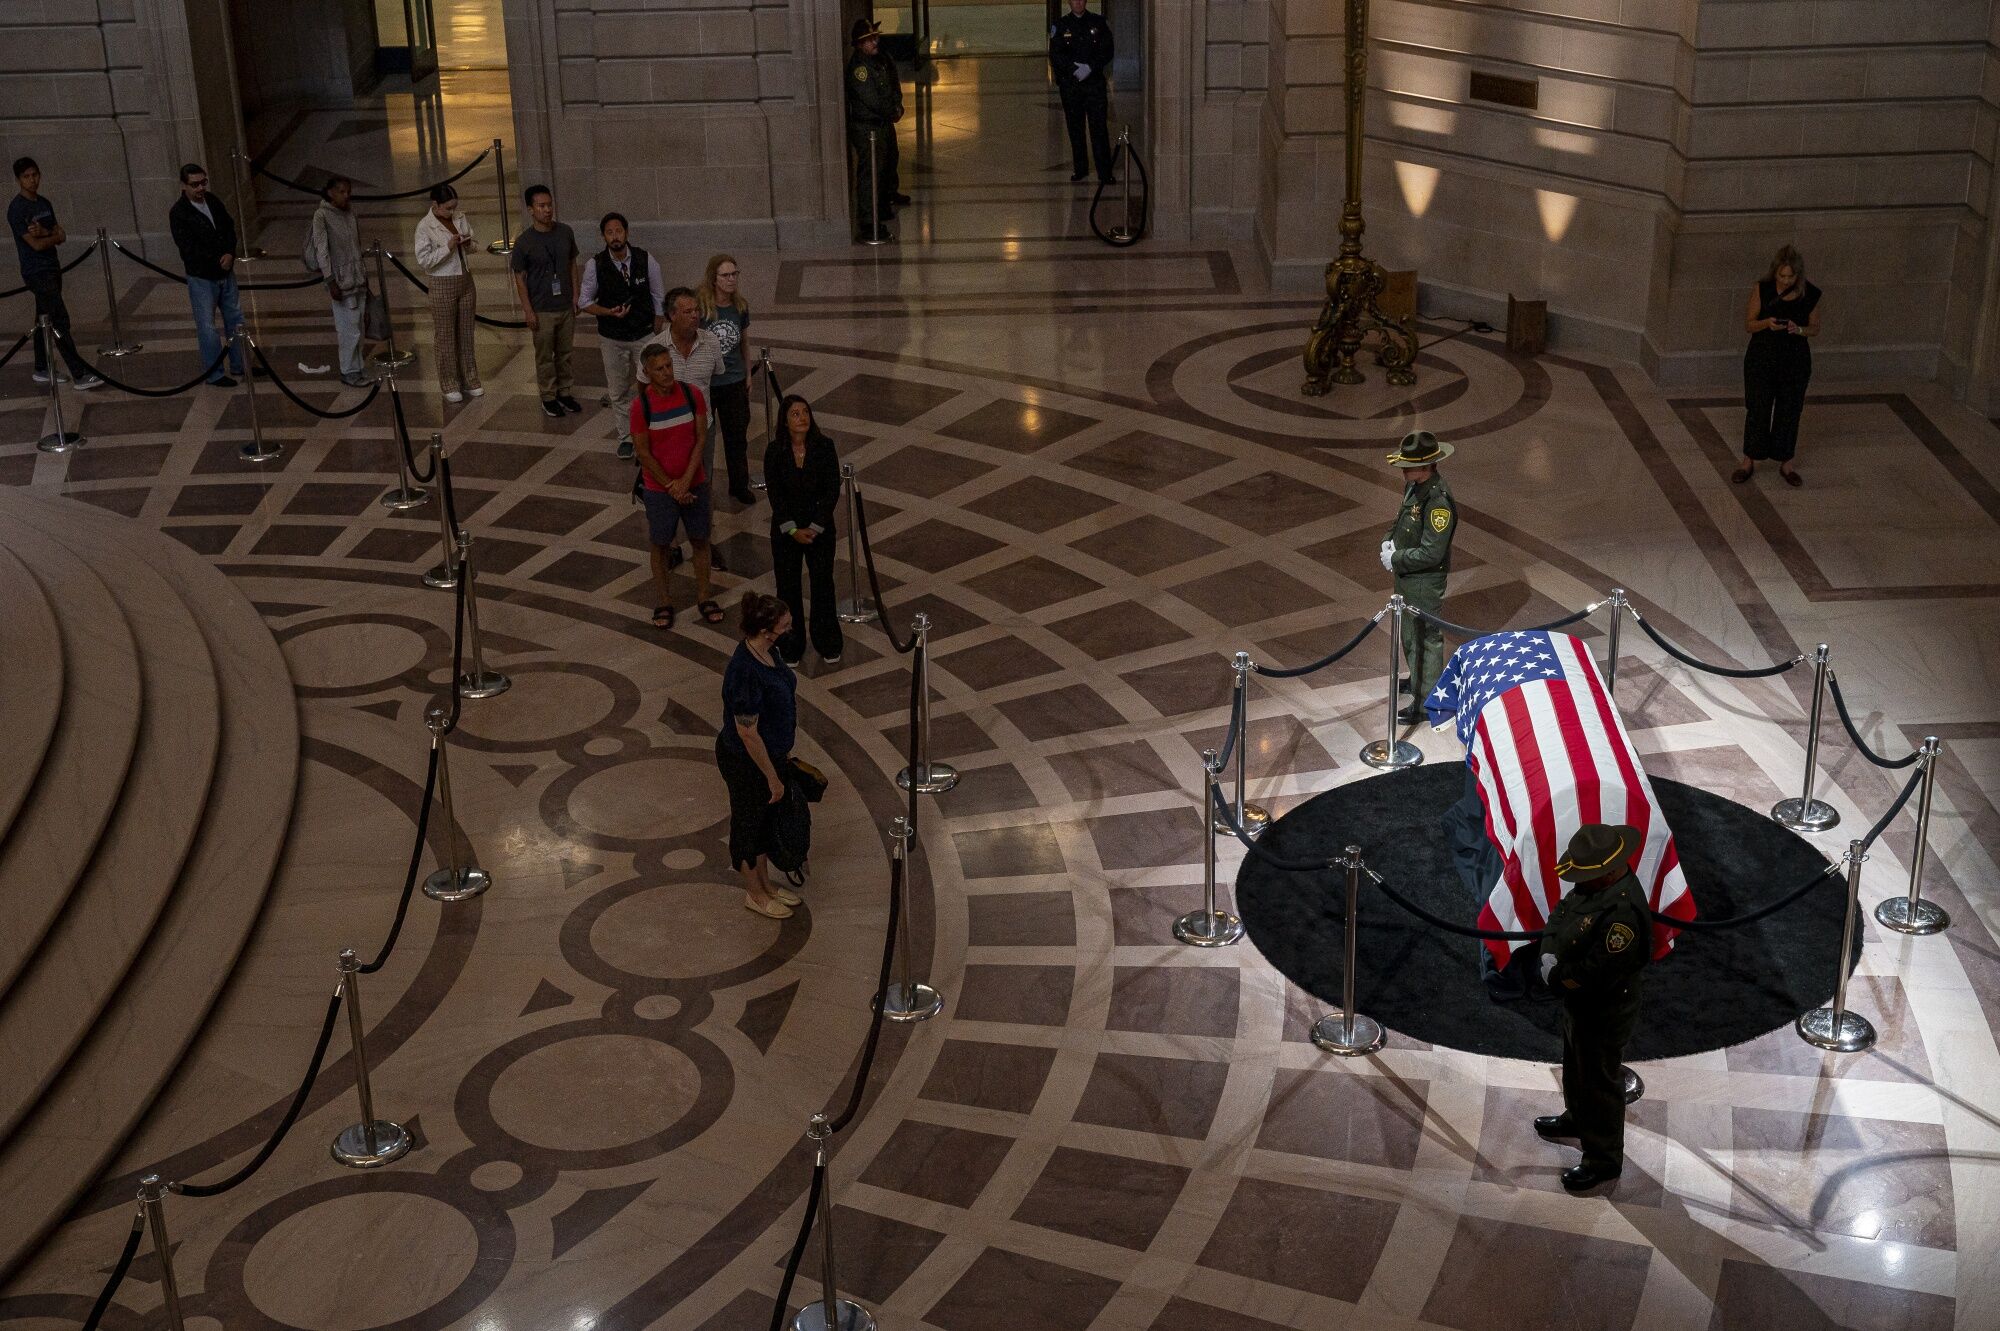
point(1550, 754)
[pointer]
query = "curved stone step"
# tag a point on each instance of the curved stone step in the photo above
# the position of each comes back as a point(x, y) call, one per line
point(113, 1077)
point(55, 832)
point(78, 970)
point(31, 684)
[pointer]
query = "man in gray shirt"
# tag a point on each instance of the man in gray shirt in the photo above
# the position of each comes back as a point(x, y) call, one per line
point(333, 250)
point(545, 267)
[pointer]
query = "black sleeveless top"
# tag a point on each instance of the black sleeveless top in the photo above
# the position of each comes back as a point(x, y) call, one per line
point(1798, 310)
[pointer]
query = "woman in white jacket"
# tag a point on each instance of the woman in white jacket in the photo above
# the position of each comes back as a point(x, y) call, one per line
point(443, 240)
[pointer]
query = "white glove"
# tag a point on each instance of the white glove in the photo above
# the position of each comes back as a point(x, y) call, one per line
point(1389, 555)
point(1548, 964)
point(1082, 71)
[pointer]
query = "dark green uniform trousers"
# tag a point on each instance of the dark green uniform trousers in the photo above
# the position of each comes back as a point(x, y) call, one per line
point(1423, 642)
point(1595, 1029)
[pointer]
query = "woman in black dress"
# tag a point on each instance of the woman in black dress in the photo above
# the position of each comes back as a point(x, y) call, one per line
point(1782, 315)
point(760, 717)
point(802, 472)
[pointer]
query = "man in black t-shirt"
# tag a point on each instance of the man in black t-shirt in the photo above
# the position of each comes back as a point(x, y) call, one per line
point(32, 219)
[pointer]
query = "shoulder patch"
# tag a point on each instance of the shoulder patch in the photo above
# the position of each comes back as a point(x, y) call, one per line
point(861, 73)
point(1618, 937)
point(1440, 519)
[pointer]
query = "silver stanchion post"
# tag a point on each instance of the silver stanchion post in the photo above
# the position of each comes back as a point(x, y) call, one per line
point(1253, 818)
point(1835, 1027)
point(239, 169)
point(390, 357)
point(770, 400)
point(909, 999)
point(1806, 814)
point(444, 577)
point(1390, 752)
point(405, 496)
point(1911, 914)
point(1617, 602)
point(854, 607)
point(829, 1312)
point(927, 777)
point(504, 245)
point(1123, 231)
point(61, 439)
point(874, 236)
point(1347, 1032)
point(454, 880)
point(1210, 926)
point(478, 682)
point(373, 1141)
point(257, 450)
point(119, 346)
point(153, 1201)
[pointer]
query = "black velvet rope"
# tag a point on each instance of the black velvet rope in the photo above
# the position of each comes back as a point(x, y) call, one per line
point(118, 1270)
point(403, 439)
point(458, 612)
point(1236, 723)
point(1882, 823)
point(1738, 921)
point(1327, 660)
point(134, 389)
point(1145, 210)
point(450, 506)
point(284, 1125)
point(420, 190)
point(1258, 852)
point(308, 407)
point(1467, 931)
point(1732, 672)
point(416, 860)
point(424, 287)
point(15, 350)
point(903, 645)
point(181, 278)
point(781, 1308)
point(1573, 617)
point(88, 250)
point(1846, 721)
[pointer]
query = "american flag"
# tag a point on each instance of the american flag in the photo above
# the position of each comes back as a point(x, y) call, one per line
point(1550, 754)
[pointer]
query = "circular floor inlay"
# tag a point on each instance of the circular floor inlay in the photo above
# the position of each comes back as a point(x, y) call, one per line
point(1713, 990)
point(656, 1007)
point(543, 705)
point(594, 1092)
point(496, 1176)
point(342, 656)
point(649, 799)
point(679, 931)
point(329, 1266)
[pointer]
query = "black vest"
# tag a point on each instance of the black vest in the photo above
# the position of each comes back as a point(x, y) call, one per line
point(615, 289)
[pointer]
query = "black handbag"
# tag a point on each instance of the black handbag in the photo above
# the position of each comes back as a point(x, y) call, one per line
point(788, 831)
point(809, 779)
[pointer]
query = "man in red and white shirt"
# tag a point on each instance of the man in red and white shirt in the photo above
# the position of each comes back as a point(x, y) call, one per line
point(669, 420)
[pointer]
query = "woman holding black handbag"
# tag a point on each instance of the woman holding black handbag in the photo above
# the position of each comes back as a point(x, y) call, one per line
point(760, 714)
point(802, 472)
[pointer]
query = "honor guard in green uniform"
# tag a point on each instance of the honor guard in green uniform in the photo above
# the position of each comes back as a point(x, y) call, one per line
point(874, 105)
point(1597, 940)
point(1418, 553)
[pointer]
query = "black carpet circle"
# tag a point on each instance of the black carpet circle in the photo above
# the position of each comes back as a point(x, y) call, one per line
point(1713, 990)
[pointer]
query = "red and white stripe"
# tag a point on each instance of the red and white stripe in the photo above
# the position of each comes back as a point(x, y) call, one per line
point(1551, 756)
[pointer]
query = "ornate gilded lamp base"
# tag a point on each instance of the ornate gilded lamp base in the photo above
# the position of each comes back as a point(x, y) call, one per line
point(1353, 310)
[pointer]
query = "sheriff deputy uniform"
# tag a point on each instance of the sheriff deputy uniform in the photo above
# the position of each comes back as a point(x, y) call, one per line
point(874, 105)
point(1418, 553)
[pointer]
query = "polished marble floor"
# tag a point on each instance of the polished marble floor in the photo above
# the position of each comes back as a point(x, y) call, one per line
point(1095, 474)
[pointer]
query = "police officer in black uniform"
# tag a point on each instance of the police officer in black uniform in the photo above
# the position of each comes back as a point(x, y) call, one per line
point(1597, 940)
point(1080, 54)
point(874, 104)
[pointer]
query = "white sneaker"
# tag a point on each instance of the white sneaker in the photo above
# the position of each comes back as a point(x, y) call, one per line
point(454, 396)
point(41, 377)
point(475, 391)
point(84, 383)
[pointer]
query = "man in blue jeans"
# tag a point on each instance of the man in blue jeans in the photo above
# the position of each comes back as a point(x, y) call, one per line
point(205, 234)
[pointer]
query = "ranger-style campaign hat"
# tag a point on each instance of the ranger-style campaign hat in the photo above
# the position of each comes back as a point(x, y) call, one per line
point(1596, 850)
point(1419, 448)
point(862, 30)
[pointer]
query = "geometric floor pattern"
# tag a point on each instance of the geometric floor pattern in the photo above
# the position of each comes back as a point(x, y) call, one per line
point(1099, 490)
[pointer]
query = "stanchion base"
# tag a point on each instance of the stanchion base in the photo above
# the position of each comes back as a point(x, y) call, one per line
point(1635, 1085)
point(257, 452)
point(350, 1148)
point(853, 1317)
point(1198, 928)
point(457, 884)
point(484, 684)
point(1805, 815)
point(443, 578)
point(121, 349)
point(933, 779)
point(857, 612)
point(1849, 1035)
point(1120, 233)
point(1334, 1034)
point(1393, 755)
point(59, 442)
point(915, 1001)
point(1912, 917)
point(500, 247)
point(393, 362)
point(1255, 818)
point(403, 498)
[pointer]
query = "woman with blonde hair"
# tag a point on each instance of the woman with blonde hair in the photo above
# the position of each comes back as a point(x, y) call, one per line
point(726, 313)
point(1781, 318)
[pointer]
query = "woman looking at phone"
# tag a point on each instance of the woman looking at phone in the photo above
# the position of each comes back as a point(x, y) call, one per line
point(1781, 317)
